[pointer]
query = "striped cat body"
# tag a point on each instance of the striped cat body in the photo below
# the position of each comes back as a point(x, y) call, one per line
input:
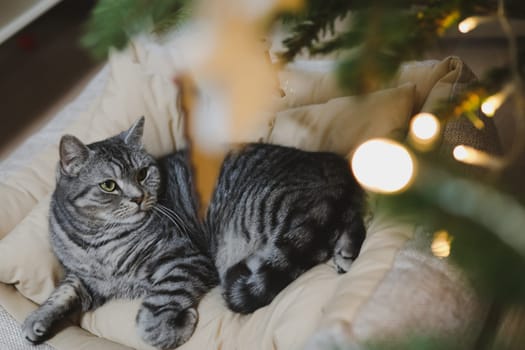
point(275, 213)
point(125, 226)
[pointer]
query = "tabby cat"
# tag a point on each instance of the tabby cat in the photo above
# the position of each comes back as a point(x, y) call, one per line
point(125, 226)
point(275, 213)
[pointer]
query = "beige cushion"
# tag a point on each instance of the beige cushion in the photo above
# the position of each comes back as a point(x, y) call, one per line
point(309, 82)
point(420, 295)
point(134, 89)
point(343, 123)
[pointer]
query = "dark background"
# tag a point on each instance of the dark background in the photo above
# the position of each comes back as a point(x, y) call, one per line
point(42, 67)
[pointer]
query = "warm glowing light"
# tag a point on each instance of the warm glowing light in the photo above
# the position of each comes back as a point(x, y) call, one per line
point(470, 155)
point(492, 103)
point(468, 24)
point(441, 244)
point(424, 126)
point(384, 166)
point(424, 130)
point(461, 153)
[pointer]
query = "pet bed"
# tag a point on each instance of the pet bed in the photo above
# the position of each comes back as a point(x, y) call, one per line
point(395, 288)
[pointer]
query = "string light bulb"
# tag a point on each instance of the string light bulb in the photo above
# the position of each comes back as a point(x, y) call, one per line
point(461, 153)
point(424, 130)
point(492, 103)
point(383, 166)
point(470, 155)
point(471, 23)
point(441, 244)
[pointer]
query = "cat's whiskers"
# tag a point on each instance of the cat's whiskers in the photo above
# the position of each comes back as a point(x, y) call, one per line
point(167, 215)
point(172, 216)
point(172, 212)
point(161, 213)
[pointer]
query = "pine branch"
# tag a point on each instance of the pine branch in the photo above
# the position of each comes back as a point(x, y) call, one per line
point(317, 19)
point(383, 34)
point(113, 22)
point(346, 39)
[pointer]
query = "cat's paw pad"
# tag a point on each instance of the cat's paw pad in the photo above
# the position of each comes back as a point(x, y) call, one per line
point(35, 329)
point(165, 328)
point(343, 261)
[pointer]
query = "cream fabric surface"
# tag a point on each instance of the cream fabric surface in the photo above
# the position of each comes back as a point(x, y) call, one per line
point(137, 86)
point(343, 123)
point(420, 295)
point(71, 338)
point(410, 288)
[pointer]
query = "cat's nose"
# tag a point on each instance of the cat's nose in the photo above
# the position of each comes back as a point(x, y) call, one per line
point(138, 199)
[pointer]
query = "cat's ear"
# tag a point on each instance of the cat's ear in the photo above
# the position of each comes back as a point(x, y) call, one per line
point(133, 136)
point(73, 155)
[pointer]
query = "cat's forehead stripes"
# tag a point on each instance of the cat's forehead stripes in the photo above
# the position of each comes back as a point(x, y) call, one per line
point(116, 168)
point(118, 161)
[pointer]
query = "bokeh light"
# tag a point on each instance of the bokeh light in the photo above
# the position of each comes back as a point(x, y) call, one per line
point(424, 126)
point(492, 103)
point(461, 153)
point(441, 244)
point(383, 166)
point(470, 155)
point(468, 24)
point(424, 131)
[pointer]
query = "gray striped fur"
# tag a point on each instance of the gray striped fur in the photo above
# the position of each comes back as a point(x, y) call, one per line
point(275, 213)
point(143, 240)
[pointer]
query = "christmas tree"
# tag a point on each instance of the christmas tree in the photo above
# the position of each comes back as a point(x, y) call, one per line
point(467, 197)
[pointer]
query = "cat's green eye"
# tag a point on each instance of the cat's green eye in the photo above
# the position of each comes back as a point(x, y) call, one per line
point(108, 185)
point(142, 173)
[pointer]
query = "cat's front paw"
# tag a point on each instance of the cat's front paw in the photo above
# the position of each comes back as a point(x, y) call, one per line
point(164, 327)
point(346, 251)
point(343, 261)
point(36, 327)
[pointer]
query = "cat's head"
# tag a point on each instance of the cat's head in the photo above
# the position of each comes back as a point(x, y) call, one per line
point(114, 180)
